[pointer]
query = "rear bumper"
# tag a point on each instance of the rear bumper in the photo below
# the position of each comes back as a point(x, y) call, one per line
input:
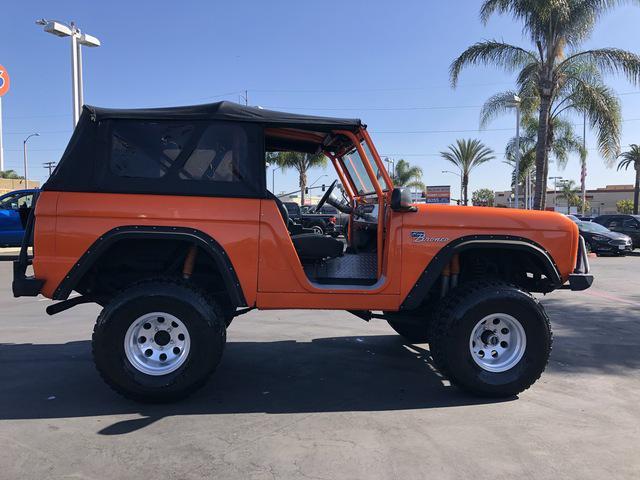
point(580, 279)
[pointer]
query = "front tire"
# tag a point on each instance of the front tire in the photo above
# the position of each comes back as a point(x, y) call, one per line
point(491, 339)
point(158, 341)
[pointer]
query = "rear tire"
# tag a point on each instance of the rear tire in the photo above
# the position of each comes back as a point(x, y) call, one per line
point(158, 341)
point(491, 339)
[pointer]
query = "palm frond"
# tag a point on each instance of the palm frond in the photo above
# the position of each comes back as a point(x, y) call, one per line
point(609, 61)
point(491, 52)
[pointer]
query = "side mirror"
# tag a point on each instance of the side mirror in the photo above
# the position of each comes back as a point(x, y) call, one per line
point(401, 200)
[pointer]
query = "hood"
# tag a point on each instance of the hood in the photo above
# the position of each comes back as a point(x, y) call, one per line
point(487, 220)
point(612, 235)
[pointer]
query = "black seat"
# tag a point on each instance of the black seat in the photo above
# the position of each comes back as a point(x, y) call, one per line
point(314, 247)
point(310, 246)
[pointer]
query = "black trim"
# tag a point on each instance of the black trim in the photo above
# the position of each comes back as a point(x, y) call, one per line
point(23, 286)
point(579, 281)
point(197, 237)
point(431, 273)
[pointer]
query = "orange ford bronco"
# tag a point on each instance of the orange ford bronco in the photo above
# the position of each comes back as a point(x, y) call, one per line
point(162, 217)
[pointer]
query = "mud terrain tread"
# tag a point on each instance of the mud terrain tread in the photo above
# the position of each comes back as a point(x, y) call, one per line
point(444, 317)
point(201, 297)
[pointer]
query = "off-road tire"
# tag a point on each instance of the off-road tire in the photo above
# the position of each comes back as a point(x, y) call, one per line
point(454, 320)
point(200, 314)
point(413, 332)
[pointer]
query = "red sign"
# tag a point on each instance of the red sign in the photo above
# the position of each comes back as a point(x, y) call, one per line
point(439, 194)
point(4, 81)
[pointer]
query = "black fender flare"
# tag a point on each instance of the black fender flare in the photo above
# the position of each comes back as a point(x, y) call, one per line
point(431, 273)
point(193, 236)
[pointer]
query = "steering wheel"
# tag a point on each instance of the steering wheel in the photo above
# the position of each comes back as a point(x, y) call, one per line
point(326, 195)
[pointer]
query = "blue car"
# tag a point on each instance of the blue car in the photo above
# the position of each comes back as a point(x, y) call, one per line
point(14, 209)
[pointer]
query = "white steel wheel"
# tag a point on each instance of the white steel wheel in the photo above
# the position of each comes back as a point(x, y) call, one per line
point(497, 342)
point(157, 343)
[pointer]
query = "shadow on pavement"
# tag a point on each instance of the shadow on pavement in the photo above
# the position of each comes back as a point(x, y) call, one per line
point(368, 373)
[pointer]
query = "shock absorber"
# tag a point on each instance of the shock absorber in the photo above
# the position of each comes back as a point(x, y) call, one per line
point(455, 270)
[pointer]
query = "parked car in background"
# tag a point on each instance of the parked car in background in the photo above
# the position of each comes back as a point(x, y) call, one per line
point(342, 219)
point(600, 240)
point(622, 223)
point(320, 223)
point(14, 210)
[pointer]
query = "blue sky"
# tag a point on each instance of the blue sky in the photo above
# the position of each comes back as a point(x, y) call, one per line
point(380, 61)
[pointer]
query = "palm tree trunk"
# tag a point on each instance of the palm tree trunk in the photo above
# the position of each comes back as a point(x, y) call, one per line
point(636, 189)
point(303, 186)
point(542, 153)
point(465, 183)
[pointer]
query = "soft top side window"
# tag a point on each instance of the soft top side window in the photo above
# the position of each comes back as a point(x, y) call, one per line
point(146, 149)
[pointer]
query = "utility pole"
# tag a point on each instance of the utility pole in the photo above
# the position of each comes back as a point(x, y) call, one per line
point(50, 166)
point(245, 97)
point(24, 152)
point(583, 172)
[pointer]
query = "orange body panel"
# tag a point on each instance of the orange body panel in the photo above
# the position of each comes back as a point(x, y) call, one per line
point(83, 217)
point(258, 244)
point(554, 232)
point(282, 282)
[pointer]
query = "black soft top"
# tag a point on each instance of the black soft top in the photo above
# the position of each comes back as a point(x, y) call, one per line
point(229, 111)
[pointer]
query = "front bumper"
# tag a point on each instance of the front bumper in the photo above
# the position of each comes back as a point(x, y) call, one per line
point(580, 279)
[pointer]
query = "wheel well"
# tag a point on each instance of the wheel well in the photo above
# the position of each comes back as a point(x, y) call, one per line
point(123, 258)
point(518, 263)
point(522, 267)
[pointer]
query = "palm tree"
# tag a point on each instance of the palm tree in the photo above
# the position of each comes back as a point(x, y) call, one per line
point(565, 142)
point(569, 192)
point(302, 162)
point(407, 176)
point(554, 78)
point(632, 157)
point(466, 155)
point(12, 174)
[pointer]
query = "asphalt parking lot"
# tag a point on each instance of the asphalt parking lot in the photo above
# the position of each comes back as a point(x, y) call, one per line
point(324, 395)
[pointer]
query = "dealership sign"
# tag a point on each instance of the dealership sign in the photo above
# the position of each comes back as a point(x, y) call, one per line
point(438, 194)
point(4, 81)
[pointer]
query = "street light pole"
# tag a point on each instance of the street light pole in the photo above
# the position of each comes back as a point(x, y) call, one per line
point(273, 180)
point(460, 175)
point(78, 40)
point(555, 190)
point(516, 102)
point(24, 153)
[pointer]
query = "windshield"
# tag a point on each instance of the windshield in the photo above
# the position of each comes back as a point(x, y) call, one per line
point(592, 227)
point(358, 173)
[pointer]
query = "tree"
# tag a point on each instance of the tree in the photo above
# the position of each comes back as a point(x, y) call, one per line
point(483, 197)
point(12, 174)
point(407, 176)
point(555, 78)
point(624, 206)
point(565, 142)
point(466, 155)
point(302, 162)
point(632, 157)
point(569, 192)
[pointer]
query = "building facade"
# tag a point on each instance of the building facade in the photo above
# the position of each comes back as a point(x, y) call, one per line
point(10, 184)
point(601, 200)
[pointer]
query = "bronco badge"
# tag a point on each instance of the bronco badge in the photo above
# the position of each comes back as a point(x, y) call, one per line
point(421, 237)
